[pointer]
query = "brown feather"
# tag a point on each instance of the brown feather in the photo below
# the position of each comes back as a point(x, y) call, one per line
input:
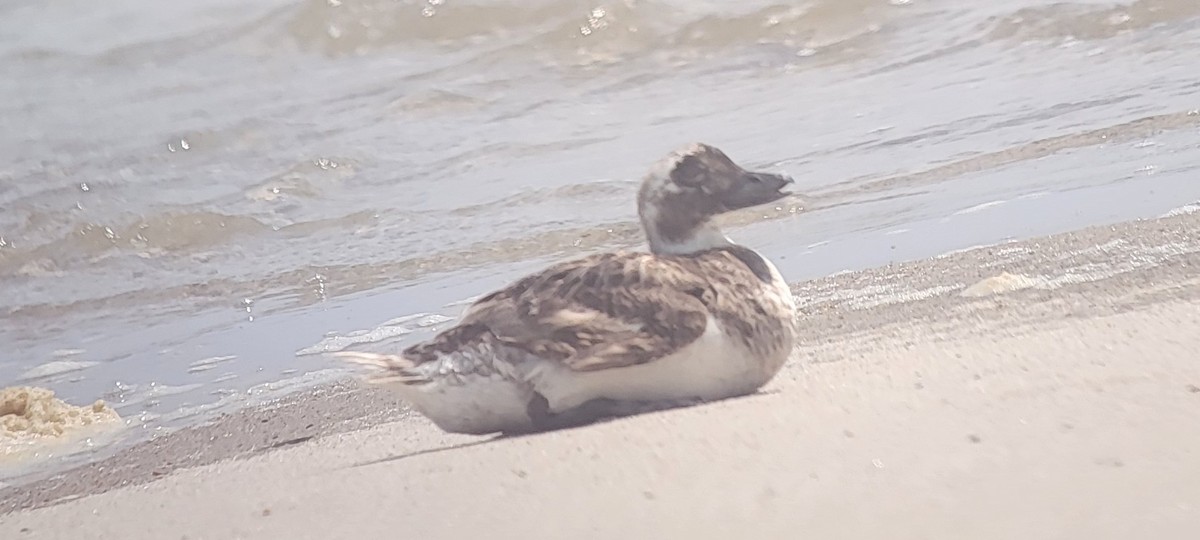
point(617, 309)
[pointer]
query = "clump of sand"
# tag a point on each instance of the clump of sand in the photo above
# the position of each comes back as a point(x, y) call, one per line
point(29, 414)
point(1000, 284)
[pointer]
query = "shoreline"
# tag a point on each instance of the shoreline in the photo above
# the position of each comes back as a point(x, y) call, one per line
point(1065, 283)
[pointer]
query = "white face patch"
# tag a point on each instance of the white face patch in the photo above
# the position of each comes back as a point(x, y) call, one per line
point(704, 238)
point(658, 180)
point(674, 216)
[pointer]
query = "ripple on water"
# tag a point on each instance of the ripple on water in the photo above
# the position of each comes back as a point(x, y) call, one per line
point(570, 33)
point(400, 326)
point(56, 367)
point(206, 364)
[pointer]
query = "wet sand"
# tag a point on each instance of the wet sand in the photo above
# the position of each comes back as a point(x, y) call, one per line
point(1057, 399)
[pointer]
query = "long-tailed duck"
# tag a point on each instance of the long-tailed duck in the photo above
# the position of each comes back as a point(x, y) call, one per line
point(697, 318)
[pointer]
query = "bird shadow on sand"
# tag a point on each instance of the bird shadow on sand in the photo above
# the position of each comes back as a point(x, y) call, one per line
point(592, 413)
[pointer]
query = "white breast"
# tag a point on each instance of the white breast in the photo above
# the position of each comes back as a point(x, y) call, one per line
point(712, 367)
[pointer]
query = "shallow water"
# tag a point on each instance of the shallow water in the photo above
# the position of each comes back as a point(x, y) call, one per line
point(197, 197)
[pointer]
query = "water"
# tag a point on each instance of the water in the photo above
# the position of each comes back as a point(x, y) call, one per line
point(193, 193)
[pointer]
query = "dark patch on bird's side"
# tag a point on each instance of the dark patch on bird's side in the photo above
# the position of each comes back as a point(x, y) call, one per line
point(753, 261)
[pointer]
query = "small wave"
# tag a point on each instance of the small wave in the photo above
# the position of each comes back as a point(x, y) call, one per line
point(208, 363)
point(434, 102)
point(397, 327)
point(579, 32)
point(255, 395)
point(977, 208)
point(307, 179)
point(1186, 209)
point(1089, 22)
point(581, 191)
point(128, 394)
point(150, 236)
point(1139, 128)
point(171, 232)
point(56, 367)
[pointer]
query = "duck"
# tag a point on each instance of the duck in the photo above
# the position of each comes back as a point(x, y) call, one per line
point(695, 318)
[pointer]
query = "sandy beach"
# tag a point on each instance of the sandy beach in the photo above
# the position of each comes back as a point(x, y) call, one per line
point(1047, 388)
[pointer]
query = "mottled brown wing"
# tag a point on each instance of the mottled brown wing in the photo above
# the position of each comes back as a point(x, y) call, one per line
point(600, 312)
